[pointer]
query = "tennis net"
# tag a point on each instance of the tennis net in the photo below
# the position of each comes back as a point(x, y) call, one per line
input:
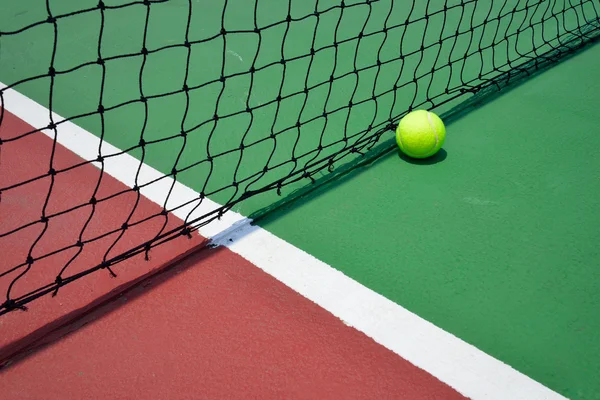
point(245, 101)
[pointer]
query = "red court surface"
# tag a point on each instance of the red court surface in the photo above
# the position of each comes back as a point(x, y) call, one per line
point(28, 158)
point(216, 326)
point(209, 326)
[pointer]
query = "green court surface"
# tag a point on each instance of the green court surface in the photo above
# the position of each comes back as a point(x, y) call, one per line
point(494, 240)
point(498, 242)
point(478, 45)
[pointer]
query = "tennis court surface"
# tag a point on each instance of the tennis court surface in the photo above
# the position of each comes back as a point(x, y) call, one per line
point(205, 200)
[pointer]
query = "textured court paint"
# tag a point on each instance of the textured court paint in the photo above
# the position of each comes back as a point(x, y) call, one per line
point(183, 200)
point(498, 242)
point(126, 75)
point(217, 327)
point(78, 92)
point(416, 340)
point(28, 158)
point(462, 366)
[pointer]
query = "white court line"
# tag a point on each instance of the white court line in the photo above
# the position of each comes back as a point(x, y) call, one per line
point(462, 366)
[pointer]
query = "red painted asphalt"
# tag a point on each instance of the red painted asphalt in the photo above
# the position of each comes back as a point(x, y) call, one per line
point(210, 326)
point(27, 158)
point(216, 327)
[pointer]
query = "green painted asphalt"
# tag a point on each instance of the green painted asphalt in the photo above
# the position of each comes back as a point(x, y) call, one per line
point(127, 76)
point(495, 241)
point(498, 242)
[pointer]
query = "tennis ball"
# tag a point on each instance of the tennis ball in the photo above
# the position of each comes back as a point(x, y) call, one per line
point(420, 134)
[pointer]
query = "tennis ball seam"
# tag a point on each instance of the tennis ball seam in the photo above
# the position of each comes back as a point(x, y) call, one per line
point(437, 138)
point(419, 136)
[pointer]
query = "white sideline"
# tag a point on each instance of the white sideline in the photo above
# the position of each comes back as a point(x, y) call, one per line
point(453, 361)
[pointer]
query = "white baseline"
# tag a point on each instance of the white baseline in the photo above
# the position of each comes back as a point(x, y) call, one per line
point(462, 366)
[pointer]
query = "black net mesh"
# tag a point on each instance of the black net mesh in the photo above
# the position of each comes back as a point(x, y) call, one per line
point(239, 98)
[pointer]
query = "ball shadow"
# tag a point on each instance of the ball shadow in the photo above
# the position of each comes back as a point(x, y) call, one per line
point(436, 158)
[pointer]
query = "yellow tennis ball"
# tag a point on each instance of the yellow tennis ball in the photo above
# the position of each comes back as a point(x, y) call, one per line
point(420, 134)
